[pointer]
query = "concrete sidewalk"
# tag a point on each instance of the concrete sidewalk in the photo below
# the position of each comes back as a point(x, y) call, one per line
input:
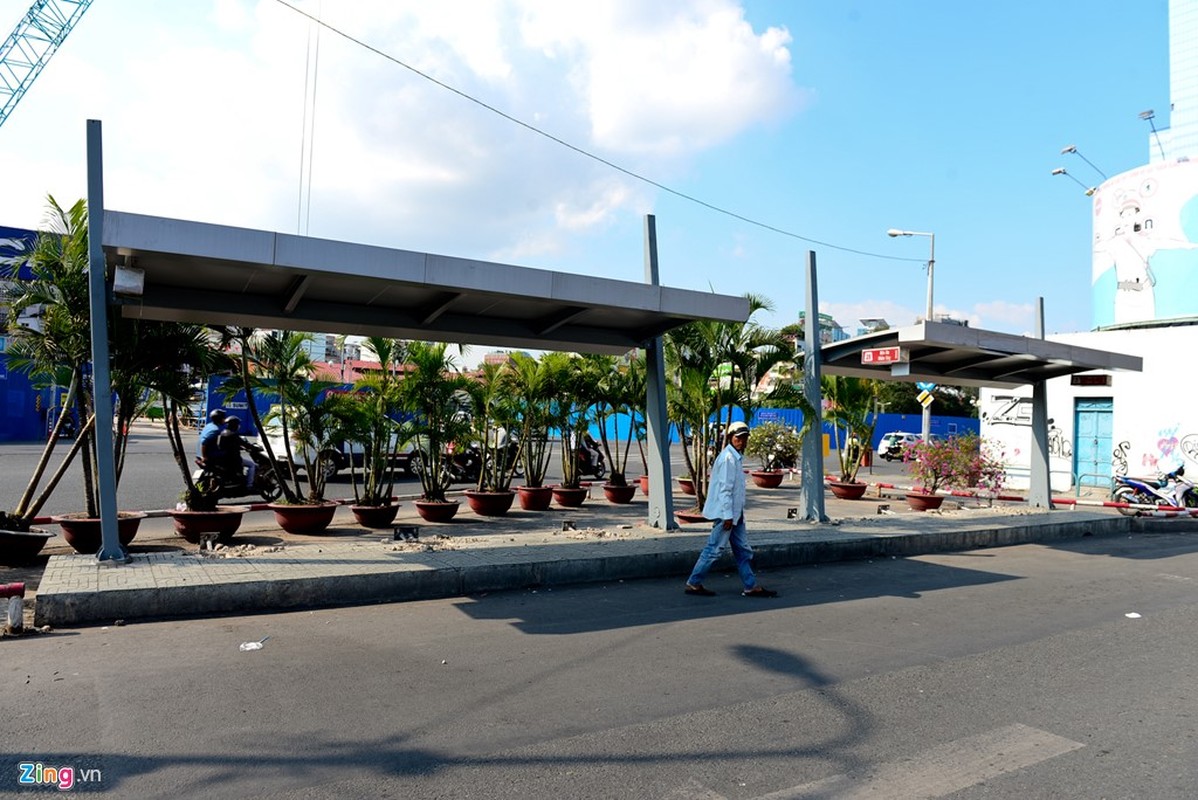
point(266, 570)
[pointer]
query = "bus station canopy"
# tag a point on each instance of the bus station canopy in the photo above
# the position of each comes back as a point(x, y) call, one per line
point(176, 270)
point(941, 352)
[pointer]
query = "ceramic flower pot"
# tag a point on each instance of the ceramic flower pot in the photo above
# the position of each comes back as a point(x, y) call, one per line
point(18, 547)
point(224, 522)
point(490, 504)
point(436, 511)
point(535, 498)
point(375, 516)
point(570, 498)
point(303, 519)
point(84, 533)
point(848, 490)
point(768, 478)
point(924, 502)
point(621, 495)
point(686, 485)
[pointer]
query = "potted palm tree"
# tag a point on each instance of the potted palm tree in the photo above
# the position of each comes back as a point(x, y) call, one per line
point(278, 362)
point(618, 395)
point(850, 401)
point(367, 419)
point(433, 391)
point(529, 382)
point(51, 275)
point(573, 393)
point(493, 416)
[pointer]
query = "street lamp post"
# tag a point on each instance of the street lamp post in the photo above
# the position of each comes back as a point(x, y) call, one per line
point(893, 232)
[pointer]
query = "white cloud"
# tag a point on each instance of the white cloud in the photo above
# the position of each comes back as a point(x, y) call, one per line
point(204, 117)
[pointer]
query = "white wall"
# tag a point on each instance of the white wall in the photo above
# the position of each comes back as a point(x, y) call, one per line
point(1155, 412)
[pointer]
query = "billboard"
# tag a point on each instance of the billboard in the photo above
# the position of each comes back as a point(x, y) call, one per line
point(1145, 264)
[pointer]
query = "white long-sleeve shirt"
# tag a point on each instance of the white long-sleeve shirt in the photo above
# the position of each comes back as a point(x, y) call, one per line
point(726, 492)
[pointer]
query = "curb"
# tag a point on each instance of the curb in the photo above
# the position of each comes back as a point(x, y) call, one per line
point(175, 585)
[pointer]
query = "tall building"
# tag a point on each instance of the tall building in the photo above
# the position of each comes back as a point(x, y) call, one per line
point(1145, 243)
point(1180, 139)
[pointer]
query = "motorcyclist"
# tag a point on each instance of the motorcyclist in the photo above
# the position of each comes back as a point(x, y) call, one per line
point(591, 450)
point(206, 448)
point(232, 459)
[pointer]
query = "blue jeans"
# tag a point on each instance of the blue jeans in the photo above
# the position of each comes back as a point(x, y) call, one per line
point(720, 539)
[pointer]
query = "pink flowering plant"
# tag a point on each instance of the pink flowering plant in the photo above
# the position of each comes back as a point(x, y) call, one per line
point(963, 462)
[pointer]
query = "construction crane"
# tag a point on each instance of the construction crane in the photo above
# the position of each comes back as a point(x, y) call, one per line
point(37, 37)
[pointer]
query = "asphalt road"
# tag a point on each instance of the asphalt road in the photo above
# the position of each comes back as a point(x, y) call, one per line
point(1003, 673)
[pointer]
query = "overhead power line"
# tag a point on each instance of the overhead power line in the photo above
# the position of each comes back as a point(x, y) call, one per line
point(586, 153)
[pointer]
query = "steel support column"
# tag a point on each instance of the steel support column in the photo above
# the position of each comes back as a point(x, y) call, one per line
point(657, 427)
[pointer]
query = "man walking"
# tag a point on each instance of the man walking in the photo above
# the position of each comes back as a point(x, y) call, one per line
point(726, 506)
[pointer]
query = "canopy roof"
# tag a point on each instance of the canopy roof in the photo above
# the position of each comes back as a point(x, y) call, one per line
point(941, 352)
point(212, 274)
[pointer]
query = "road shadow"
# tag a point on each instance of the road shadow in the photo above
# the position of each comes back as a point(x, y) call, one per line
point(625, 604)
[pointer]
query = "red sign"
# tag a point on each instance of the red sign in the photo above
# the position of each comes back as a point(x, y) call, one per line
point(882, 355)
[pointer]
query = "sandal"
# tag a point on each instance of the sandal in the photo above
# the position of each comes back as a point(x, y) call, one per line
point(700, 591)
point(758, 591)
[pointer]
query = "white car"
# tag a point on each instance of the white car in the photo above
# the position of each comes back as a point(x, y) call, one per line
point(894, 444)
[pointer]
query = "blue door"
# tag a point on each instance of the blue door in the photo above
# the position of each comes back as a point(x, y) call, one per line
point(1092, 417)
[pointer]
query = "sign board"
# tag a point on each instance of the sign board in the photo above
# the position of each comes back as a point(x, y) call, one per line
point(924, 386)
point(925, 398)
point(1089, 380)
point(883, 355)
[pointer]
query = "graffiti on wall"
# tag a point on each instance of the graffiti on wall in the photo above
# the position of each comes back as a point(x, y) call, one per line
point(1009, 410)
point(1119, 458)
point(1189, 447)
point(1058, 445)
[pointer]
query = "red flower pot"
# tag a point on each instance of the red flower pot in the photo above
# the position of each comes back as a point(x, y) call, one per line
point(686, 485)
point(303, 519)
point(644, 482)
point(924, 502)
point(435, 511)
point(84, 534)
point(375, 516)
point(848, 490)
point(768, 479)
point(490, 504)
point(535, 498)
point(224, 522)
point(17, 547)
point(569, 498)
point(619, 494)
point(689, 517)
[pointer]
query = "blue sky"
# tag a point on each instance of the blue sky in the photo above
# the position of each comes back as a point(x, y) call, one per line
point(830, 121)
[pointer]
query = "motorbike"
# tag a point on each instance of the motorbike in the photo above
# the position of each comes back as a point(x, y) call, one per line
point(221, 481)
point(1171, 489)
point(464, 463)
point(584, 455)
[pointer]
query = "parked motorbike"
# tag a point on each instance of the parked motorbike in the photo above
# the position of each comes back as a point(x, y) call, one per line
point(224, 482)
point(1171, 489)
point(464, 463)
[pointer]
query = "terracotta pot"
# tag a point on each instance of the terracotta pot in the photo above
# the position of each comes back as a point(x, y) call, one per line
point(490, 504)
point(570, 498)
point(303, 519)
point(848, 490)
point(619, 494)
point(375, 516)
point(686, 485)
point(689, 517)
point(436, 511)
point(924, 502)
point(768, 479)
point(84, 534)
point(17, 547)
point(644, 482)
point(535, 498)
point(224, 522)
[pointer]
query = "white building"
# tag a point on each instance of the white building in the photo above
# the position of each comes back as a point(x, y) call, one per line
point(1145, 303)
